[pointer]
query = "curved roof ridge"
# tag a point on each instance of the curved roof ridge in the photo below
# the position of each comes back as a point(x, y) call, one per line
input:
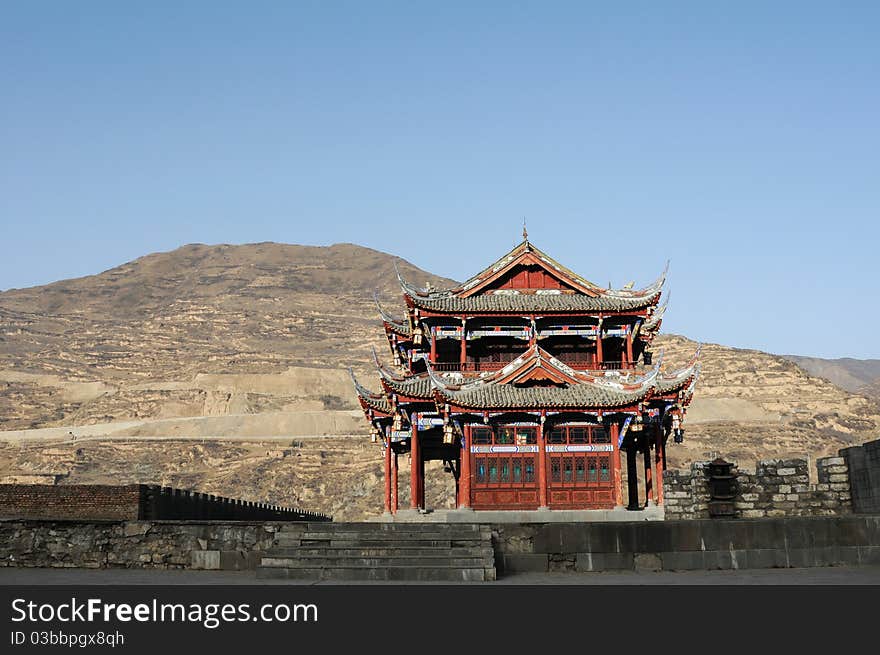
point(645, 292)
point(414, 291)
point(384, 371)
point(675, 379)
point(400, 325)
point(362, 391)
point(687, 368)
point(654, 319)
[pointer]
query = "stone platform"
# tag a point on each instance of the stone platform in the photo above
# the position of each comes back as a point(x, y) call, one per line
point(652, 513)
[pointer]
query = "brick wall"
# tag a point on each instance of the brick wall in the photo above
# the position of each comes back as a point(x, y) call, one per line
point(82, 501)
point(133, 502)
point(776, 488)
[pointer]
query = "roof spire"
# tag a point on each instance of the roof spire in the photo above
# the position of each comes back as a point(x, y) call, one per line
point(525, 232)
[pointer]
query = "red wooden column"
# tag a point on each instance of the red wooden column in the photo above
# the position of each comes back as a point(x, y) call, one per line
point(629, 344)
point(463, 358)
point(464, 478)
point(615, 466)
point(387, 471)
point(599, 356)
point(542, 466)
point(649, 484)
point(395, 488)
point(433, 345)
point(659, 464)
point(421, 479)
point(415, 457)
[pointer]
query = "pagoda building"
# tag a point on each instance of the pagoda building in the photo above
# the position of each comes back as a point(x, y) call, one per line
point(528, 382)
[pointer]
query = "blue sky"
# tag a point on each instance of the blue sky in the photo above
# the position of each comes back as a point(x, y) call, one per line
point(740, 140)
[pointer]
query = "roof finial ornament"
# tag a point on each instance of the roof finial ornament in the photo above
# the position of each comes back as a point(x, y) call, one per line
point(525, 232)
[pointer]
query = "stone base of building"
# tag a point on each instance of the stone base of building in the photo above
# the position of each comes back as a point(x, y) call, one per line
point(654, 513)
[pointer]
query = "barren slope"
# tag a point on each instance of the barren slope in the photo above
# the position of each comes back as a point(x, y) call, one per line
point(251, 341)
point(148, 338)
point(856, 375)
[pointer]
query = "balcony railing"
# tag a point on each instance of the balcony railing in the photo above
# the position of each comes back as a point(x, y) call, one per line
point(479, 367)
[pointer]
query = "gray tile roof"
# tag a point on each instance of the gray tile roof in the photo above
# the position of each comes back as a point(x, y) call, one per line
point(496, 396)
point(532, 303)
point(606, 299)
point(416, 387)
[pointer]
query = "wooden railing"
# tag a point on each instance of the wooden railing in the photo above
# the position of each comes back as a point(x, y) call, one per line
point(477, 367)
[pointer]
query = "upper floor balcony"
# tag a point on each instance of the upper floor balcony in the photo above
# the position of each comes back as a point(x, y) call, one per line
point(480, 367)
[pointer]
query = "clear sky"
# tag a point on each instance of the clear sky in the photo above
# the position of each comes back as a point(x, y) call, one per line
point(741, 140)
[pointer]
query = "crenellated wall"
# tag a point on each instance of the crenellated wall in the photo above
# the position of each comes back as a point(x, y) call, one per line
point(776, 488)
point(864, 471)
point(136, 501)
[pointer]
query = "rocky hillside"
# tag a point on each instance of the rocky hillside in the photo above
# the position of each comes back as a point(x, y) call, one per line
point(155, 337)
point(749, 405)
point(216, 367)
point(856, 375)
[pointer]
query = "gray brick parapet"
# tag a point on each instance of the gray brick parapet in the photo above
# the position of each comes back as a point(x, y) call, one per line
point(776, 488)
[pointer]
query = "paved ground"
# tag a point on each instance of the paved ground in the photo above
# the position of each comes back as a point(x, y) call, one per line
point(865, 575)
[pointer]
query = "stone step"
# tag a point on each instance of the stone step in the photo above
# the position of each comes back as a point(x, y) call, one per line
point(372, 539)
point(379, 543)
point(383, 551)
point(387, 527)
point(398, 573)
point(323, 562)
point(346, 534)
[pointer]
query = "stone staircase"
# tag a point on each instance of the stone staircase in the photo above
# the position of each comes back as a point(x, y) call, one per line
point(381, 552)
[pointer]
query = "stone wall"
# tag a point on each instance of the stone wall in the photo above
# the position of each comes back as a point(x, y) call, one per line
point(644, 545)
point(133, 544)
point(688, 545)
point(776, 488)
point(864, 470)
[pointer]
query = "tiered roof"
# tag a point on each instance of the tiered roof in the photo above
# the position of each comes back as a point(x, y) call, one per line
point(536, 379)
point(575, 293)
point(568, 388)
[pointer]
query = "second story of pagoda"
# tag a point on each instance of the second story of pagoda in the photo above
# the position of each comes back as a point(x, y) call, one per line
point(523, 300)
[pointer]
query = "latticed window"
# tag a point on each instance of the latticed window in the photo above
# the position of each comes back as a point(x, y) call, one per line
point(604, 473)
point(480, 470)
point(579, 469)
point(577, 435)
point(555, 470)
point(593, 475)
point(505, 469)
point(529, 469)
point(600, 434)
point(505, 435)
point(526, 436)
point(481, 435)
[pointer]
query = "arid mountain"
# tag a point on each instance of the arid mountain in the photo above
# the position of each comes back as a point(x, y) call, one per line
point(856, 375)
point(132, 342)
point(750, 405)
point(221, 368)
